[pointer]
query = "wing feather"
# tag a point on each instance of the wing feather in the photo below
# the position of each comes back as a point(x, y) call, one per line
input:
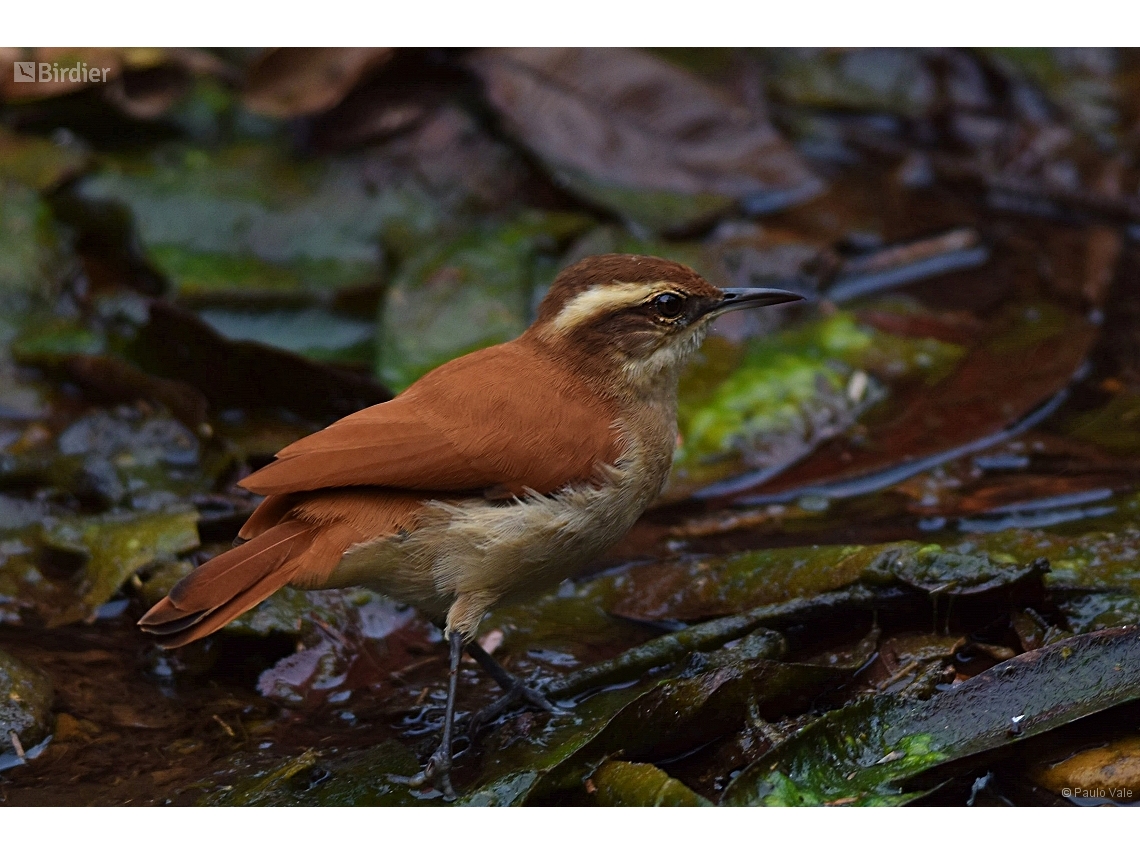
point(463, 427)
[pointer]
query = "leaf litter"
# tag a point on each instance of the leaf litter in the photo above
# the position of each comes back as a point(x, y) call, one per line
point(899, 518)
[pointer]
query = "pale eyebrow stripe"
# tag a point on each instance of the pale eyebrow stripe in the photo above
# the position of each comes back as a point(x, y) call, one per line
point(604, 298)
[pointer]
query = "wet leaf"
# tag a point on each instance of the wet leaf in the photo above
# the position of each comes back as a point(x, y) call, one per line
point(321, 778)
point(622, 784)
point(289, 82)
point(691, 589)
point(38, 163)
point(115, 547)
point(1115, 427)
point(641, 137)
point(247, 221)
point(667, 715)
point(470, 293)
point(872, 751)
point(1094, 575)
point(756, 408)
point(891, 79)
point(711, 697)
point(1028, 354)
point(514, 771)
point(1112, 769)
point(25, 707)
point(178, 344)
point(31, 251)
point(669, 649)
point(372, 777)
point(313, 332)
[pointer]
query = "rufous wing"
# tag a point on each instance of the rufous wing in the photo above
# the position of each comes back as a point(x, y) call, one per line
point(503, 420)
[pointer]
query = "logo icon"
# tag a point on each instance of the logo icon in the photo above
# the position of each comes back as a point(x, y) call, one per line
point(24, 72)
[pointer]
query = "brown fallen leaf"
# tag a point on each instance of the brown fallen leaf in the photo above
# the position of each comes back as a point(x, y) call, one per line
point(613, 123)
point(111, 379)
point(1115, 766)
point(177, 344)
point(151, 84)
point(142, 82)
point(290, 82)
point(1020, 363)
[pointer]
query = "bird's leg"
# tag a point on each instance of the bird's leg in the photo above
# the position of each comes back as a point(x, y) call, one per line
point(514, 690)
point(438, 769)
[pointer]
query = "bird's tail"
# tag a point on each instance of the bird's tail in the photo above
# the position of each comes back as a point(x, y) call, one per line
point(230, 584)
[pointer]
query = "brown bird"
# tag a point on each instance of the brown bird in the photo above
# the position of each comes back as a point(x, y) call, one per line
point(491, 478)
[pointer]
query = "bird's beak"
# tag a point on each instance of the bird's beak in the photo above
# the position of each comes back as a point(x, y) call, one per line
point(748, 298)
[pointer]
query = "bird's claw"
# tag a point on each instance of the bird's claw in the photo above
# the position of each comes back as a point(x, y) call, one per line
point(437, 773)
point(518, 695)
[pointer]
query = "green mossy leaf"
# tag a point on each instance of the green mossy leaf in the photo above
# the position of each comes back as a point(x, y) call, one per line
point(762, 404)
point(247, 221)
point(874, 751)
point(32, 249)
point(622, 784)
point(115, 547)
point(1095, 577)
point(892, 80)
point(1115, 427)
point(38, 163)
point(659, 211)
point(368, 778)
point(695, 588)
point(51, 341)
point(472, 292)
point(25, 703)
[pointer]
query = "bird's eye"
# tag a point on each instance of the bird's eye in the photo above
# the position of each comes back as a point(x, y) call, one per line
point(668, 306)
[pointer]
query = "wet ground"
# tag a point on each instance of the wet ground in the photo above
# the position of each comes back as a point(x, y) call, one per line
point(897, 562)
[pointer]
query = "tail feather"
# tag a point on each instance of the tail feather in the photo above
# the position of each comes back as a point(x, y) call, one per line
point(230, 573)
point(267, 515)
point(232, 583)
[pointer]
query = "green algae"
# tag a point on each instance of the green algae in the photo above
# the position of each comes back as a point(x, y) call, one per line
point(116, 546)
point(877, 750)
point(763, 404)
point(621, 784)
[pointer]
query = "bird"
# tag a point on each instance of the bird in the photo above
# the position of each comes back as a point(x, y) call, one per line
point(489, 480)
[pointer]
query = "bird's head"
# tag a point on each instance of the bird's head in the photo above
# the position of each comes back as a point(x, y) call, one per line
point(633, 320)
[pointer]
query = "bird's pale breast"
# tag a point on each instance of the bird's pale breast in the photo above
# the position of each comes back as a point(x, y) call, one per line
point(465, 556)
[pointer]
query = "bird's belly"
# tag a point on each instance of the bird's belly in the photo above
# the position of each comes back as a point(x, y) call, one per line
point(494, 551)
point(519, 548)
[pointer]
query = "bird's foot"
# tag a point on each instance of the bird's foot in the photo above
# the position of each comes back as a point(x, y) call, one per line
point(437, 773)
point(519, 694)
